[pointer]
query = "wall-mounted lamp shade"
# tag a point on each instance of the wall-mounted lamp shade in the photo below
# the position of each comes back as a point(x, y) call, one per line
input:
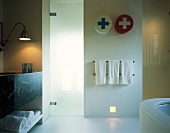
point(24, 35)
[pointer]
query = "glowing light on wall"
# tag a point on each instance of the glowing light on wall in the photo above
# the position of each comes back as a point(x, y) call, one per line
point(112, 109)
point(71, 61)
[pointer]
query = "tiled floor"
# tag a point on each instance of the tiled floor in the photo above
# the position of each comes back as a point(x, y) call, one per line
point(79, 124)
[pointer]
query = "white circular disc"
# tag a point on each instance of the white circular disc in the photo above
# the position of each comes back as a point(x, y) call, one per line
point(103, 24)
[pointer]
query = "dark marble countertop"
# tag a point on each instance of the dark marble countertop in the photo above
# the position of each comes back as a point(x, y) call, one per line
point(13, 73)
point(18, 90)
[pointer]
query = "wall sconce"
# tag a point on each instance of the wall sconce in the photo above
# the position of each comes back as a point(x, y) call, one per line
point(23, 36)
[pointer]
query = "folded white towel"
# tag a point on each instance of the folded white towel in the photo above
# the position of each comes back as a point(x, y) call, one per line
point(127, 72)
point(13, 123)
point(113, 72)
point(29, 115)
point(100, 70)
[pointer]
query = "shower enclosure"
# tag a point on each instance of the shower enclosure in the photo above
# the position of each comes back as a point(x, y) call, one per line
point(67, 57)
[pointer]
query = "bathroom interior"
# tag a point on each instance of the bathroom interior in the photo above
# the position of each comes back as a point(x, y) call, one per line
point(63, 46)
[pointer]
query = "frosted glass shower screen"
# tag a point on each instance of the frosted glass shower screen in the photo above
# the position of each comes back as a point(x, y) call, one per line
point(156, 49)
point(67, 58)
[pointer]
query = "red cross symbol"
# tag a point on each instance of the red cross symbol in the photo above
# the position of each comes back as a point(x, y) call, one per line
point(123, 24)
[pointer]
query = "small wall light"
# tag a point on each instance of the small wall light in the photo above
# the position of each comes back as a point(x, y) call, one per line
point(112, 109)
point(23, 36)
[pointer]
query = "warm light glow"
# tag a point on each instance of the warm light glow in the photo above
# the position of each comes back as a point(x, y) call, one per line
point(113, 121)
point(112, 109)
point(71, 61)
point(153, 27)
point(24, 39)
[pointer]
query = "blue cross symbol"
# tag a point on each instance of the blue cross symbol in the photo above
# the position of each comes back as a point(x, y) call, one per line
point(103, 23)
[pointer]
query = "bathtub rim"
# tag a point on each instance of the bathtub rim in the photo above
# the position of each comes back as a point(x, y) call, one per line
point(149, 106)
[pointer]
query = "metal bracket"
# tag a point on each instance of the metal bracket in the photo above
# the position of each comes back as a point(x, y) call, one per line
point(53, 14)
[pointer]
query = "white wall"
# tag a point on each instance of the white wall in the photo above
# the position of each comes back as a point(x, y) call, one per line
point(67, 58)
point(112, 45)
point(46, 58)
point(1, 20)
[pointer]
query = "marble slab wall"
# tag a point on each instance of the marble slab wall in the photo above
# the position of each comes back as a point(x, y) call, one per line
point(6, 95)
point(17, 90)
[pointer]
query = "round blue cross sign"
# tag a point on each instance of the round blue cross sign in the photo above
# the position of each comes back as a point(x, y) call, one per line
point(103, 24)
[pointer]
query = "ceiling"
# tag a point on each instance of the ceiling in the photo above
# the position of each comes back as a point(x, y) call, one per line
point(67, 1)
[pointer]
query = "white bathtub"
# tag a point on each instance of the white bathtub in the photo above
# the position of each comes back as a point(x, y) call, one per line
point(155, 116)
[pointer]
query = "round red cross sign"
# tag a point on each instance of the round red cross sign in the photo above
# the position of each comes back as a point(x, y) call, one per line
point(123, 24)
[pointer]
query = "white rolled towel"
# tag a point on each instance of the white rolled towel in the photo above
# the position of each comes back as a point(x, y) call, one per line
point(29, 115)
point(13, 123)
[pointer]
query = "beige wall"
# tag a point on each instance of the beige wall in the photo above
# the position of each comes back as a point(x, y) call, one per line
point(34, 14)
point(17, 52)
point(156, 46)
point(1, 10)
point(1, 20)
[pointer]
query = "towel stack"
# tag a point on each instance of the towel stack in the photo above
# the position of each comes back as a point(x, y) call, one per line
point(18, 121)
point(125, 69)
